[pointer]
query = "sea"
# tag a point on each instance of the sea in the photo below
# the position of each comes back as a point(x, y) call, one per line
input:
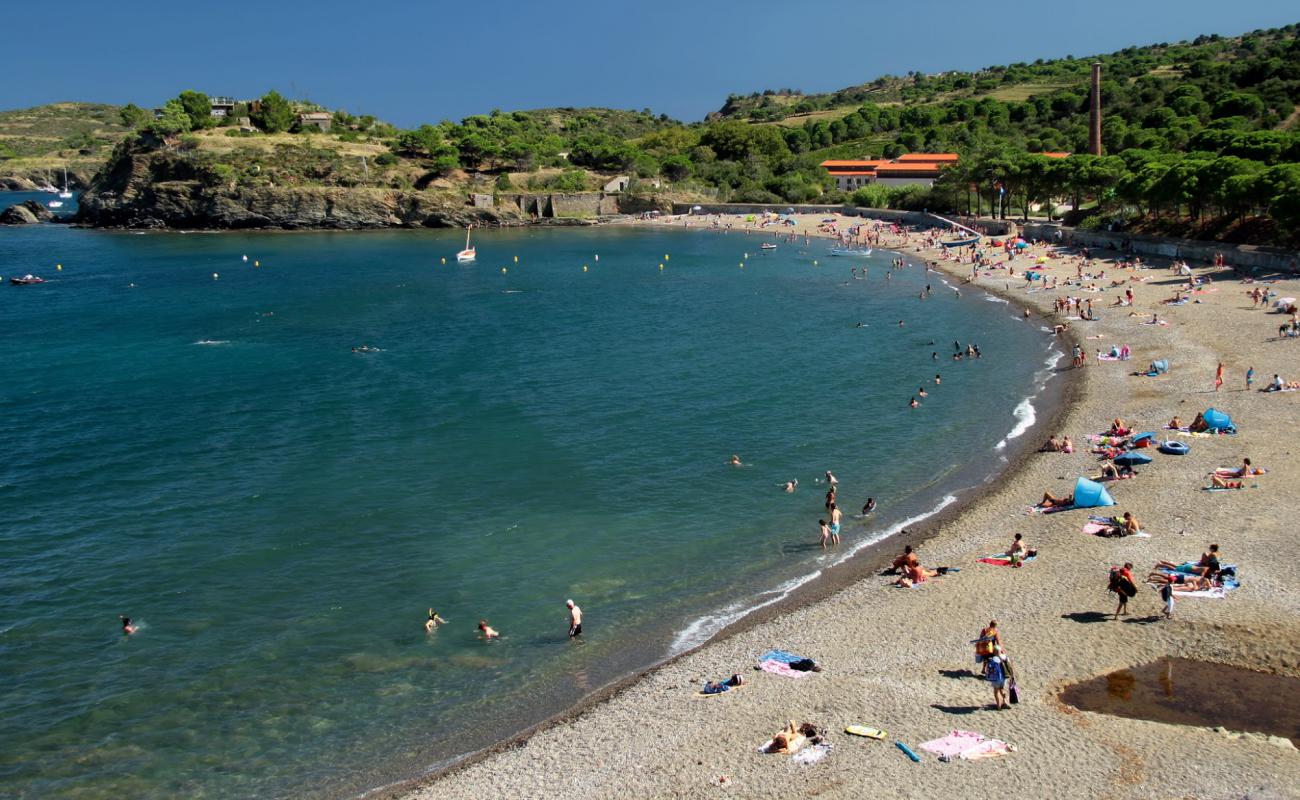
point(275, 452)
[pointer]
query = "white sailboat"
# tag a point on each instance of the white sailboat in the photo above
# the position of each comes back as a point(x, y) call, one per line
point(468, 254)
point(46, 187)
point(65, 194)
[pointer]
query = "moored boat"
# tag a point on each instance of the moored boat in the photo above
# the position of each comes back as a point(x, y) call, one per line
point(469, 253)
point(26, 280)
point(850, 251)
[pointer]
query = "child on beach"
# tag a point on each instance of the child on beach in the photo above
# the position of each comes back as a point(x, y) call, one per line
point(825, 531)
point(1122, 584)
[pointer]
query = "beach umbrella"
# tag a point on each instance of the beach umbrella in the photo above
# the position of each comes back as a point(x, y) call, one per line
point(1022, 244)
point(1217, 420)
point(1132, 459)
point(1283, 302)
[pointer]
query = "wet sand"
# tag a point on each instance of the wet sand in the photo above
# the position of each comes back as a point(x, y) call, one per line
point(900, 659)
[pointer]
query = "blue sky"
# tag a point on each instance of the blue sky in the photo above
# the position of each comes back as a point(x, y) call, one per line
point(423, 61)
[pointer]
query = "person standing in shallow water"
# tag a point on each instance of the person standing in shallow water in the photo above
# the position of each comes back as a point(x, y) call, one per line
point(836, 516)
point(575, 619)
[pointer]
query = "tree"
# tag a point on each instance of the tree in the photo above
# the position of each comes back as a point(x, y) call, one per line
point(133, 116)
point(197, 107)
point(676, 168)
point(275, 115)
point(172, 121)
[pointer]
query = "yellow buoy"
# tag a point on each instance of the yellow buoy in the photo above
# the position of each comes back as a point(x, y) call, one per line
point(742, 265)
point(516, 259)
point(584, 267)
point(661, 266)
point(257, 263)
point(444, 260)
point(503, 270)
point(814, 262)
point(665, 256)
point(215, 276)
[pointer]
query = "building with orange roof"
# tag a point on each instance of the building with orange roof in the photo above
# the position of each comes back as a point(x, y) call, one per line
point(1055, 155)
point(913, 168)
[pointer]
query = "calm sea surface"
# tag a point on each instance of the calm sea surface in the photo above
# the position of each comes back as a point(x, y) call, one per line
point(210, 457)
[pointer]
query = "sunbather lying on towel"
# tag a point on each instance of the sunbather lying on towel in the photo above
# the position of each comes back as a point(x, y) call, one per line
point(718, 687)
point(1221, 478)
point(1191, 583)
point(1052, 501)
point(1199, 425)
point(792, 738)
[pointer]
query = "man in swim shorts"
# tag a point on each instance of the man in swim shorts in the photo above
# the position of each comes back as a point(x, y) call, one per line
point(575, 619)
point(836, 516)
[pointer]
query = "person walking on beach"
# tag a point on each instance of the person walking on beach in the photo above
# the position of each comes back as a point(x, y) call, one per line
point(1123, 585)
point(1218, 377)
point(997, 671)
point(575, 619)
point(1250, 378)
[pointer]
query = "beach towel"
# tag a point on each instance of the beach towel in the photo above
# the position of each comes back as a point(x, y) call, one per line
point(781, 668)
point(811, 755)
point(1107, 357)
point(1003, 561)
point(967, 745)
point(1097, 527)
point(780, 655)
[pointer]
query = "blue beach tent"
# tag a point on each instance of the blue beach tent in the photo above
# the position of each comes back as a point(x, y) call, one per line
point(1217, 420)
point(1159, 367)
point(1090, 494)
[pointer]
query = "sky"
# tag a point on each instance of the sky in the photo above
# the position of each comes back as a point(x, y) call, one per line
point(428, 60)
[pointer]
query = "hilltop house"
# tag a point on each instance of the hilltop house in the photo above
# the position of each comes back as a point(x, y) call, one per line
point(221, 106)
point(919, 169)
point(316, 119)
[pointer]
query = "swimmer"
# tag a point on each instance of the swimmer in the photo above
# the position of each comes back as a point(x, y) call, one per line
point(127, 627)
point(869, 507)
point(900, 323)
point(789, 486)
point(433, 621)
point(915, 403)
point(735, 461)
point(831, 479)
point(922, 392)
point(487, 630)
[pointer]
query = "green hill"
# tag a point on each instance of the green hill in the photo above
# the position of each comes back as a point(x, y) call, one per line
point(59, 134)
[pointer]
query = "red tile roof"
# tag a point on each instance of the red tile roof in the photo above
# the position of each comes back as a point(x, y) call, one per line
point(932, 158)
point(838, 173)
point(834, 163)
point(914, 167)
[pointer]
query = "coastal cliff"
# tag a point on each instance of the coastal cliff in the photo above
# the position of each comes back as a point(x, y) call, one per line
point(151, 185)
point(142, 188)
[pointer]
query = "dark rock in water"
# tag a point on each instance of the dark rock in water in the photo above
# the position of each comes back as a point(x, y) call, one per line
point(25, 213)
point(17, 183)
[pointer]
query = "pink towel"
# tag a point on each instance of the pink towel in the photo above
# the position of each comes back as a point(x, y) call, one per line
point(968, 745)
point(777, 668)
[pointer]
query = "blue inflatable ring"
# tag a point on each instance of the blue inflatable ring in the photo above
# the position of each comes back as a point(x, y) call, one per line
point(1174, 448)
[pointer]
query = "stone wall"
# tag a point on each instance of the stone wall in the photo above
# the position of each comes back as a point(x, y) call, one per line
point(1241, 255)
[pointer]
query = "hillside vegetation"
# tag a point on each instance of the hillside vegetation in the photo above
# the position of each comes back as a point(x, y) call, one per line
point(76, 135)
point(1201, 138)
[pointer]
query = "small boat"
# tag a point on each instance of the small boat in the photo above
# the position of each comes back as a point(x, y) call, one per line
point(767, 246)
point(469, 253)
point(850, 251)
point(65, 194)
point(961, 242)
point(26, 280)
point(55, 204)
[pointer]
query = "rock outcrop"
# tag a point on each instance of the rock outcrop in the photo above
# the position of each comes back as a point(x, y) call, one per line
point(159, 189)
point(26, 213)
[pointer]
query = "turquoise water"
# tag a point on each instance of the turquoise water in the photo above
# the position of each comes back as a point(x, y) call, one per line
point(210, 457)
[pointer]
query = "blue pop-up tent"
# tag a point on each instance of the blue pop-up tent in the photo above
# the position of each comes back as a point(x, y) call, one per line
point(1090, 494)
point(1158, 367)
point(1217, 420)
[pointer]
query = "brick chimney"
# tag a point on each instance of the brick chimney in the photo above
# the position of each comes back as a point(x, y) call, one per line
point(1094, 119)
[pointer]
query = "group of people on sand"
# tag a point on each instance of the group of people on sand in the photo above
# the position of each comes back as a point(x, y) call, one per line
point(1058, 444)
point(1167, 577)
point(909, 570)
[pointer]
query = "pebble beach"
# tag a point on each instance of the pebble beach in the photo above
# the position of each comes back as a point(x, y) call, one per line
point(901, 659)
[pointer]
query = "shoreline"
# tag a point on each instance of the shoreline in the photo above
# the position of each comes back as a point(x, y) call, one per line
point(909, 684)
point(1065, 385)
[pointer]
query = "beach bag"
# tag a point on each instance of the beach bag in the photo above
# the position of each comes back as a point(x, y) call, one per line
point(1013, 694)
point(985, 647)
